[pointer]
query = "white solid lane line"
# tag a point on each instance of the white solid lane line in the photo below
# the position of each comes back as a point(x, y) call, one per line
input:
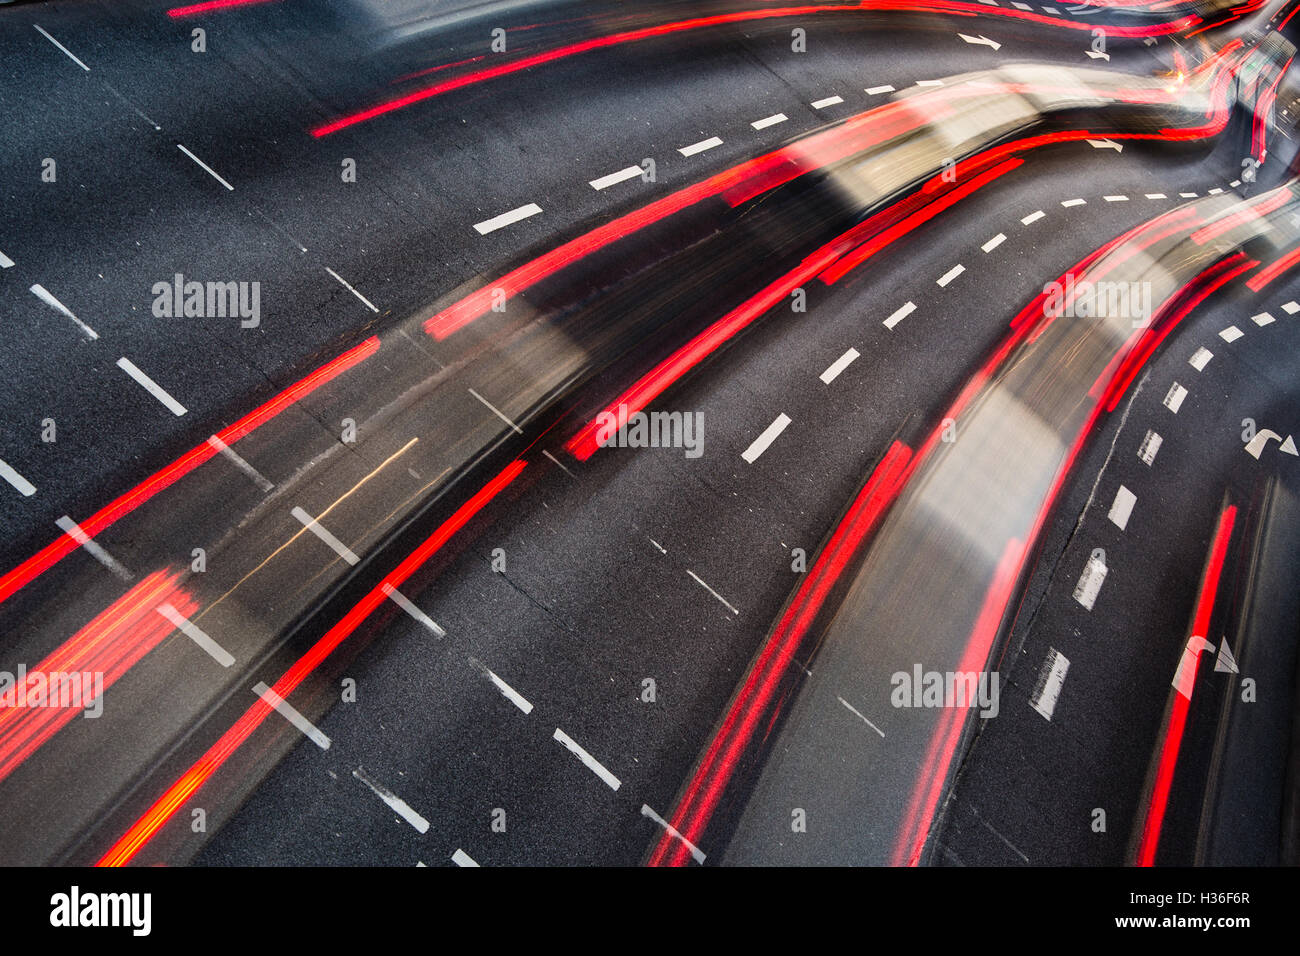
point(613, 179)
point(701, 146)
point(828, 101)
point(508, 692)
point(402, 601)
point(696, 852)
point(41, 30)
point(21, 484)
point(369, 305)
point(461, 858)
point(767, 121)
point(840, 364)
point(74, 531)
point(150, 386)
point(45, 296)
point(291, 714)
point(590, 762)
point(902, 312)
point(951, 274)
point(759, 444)
point(208, 169)
point(316, 528)
point(402, 808)
point(507, 219)
point(1122, 507)
point(700, 581)
point(199, 637)
point(993, 243)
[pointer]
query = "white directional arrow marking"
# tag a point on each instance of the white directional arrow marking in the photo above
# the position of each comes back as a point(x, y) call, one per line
point(1098, 56)
point(1255, 447)
point(1106, 144)
point(1288, 446)
point(980, 41)
point(1225, 662)
point(1186, 673)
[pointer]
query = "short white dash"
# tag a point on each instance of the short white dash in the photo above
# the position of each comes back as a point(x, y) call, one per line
point(1262, 319)
point(199, 637)
point(1291, 308)
point(5, 261)
point(1187, 195)
point(1068, 203)
point(860, 715)
point(1115, 198)
point(725, 602)
point(461, 858)
point(588, 760)
point(559, 463)
point(1215, 191)
point(1050, 681)
point(1090, 581)
point(407, 605)
point(1235, 183)
point(769, 435)
point(613, 179)
point(1052, 10)
point(993, 243)
point(929, 82)
point(506, 690)
point(701, 146)
point(150, 386)
point(210, 171)
point(400, 806)
point(874, 90)
point(21, 484)
point(696, 852)
point(71, 56)
point(75, 532)
point(767, 121)
point(507, 219)
point(316, 528)
point(368, 304)
point(1156, 196)
point(827, 101)
point(1150, 445)
point(840, 364)
point(662, 549)
point(902, 312)
point(951, 274)
point(45, 296)
point(496, 411)
point(1200, 358)
point(1174, 398)
point(1032, 217)
point(1122, 507)
point(291, 714)
point(230, 454)
point(1231, 334)
point(1021, 6)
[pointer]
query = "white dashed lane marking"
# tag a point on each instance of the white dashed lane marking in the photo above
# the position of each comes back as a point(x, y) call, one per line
point(150, 386)
point(840, 364)
point(1122, 507)
point(508, 692)
point(507, 219)
point(407, 605)
point(291, 714)
point(1262, 319)
point(701, 146)
point(857, 713)
point(316, 528)
point(1200, 358)
point(74, 531)
point(21, 484)
point(993, 243)
point(1149, 447)
point(41, 30)
point(828, 101)
point(5, 261)
point(873, 90)
point(902, 312)
point(767, 121)
point(613, 179)
point(1174, 398)
point(368, 304)
point(951, 274)
point(590, 762)
point(199, 637)
point(1231, 334)
point(769, 435)
point(400, 806)
point(1050, 681)
point(206, 168)
point(463, 859)
point(725, 603)
point(47, 297)
point(1032, 218)
point(696, 852)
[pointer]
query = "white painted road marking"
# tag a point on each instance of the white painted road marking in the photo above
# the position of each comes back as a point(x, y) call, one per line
point(840, 364)
point(696, 852)
point(461, 858)
point(929, 82)
point(186, 627)
point(701, 146)
point(1187, 195)
point(1291, 308)
point(496, 411)
point(407, 605)
point(44, 295)
point(902, 312)
point(1150, 445)
point(507, 691)
point(1200, 358)
point(1231, 334)
point(41, 30)
point(210, 171)
point(1067, 203)
point(613, 179)
point(240, 463)
point(5, 261)
point(951, 274)
point(980, 40)
point(1262, 319)
point(507, 219)
point(73, 530)
point(291, 714)
point(1115, 198)
point(828, 101)
point(1090, 581)
point(873, 90)
point(1105, 143)
point(150, 386)
point(316, 528)
point(402, 808)
point(369, 305)
point(767, 121)
point(1156, 196)
point(759, 444)
point(860, 715)
point(1122, 507)
point(21, 484)
point(591, 762)
point(1050, 681)
point(1174, 399)
point(1032, 217)
point(700, 581)
point(993, 243)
